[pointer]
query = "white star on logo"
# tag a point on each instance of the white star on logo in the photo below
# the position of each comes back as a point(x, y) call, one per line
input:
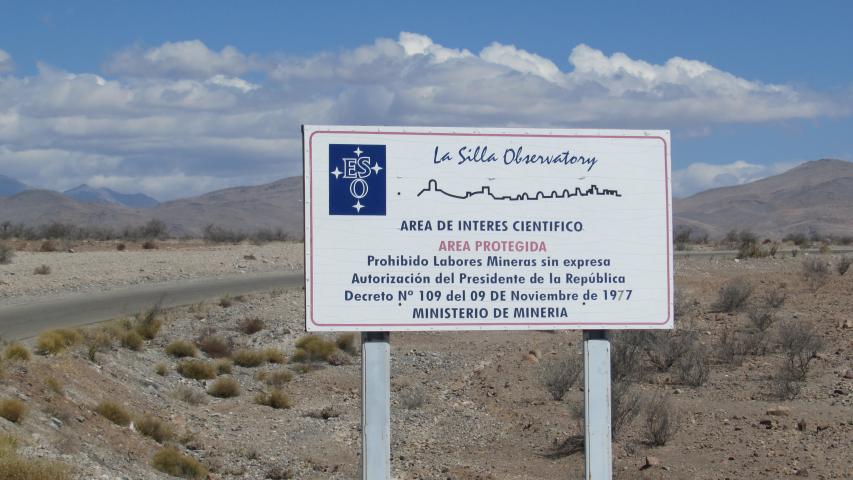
point(337, 173)
point(376, 168)
point(358, 206)
point(358, 151)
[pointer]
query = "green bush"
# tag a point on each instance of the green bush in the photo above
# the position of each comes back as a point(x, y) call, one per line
point(196, 369)
point(172, 462)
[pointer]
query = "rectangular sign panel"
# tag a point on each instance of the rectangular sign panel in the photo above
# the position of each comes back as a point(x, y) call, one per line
point(486, 229)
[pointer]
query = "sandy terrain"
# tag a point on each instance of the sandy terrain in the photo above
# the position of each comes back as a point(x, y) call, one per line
point(485, 416)
point(99, 266)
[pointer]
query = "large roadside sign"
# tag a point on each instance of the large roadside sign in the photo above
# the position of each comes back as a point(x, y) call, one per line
point(486, 229)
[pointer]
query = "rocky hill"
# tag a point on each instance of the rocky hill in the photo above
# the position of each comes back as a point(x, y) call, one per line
point(815, 196)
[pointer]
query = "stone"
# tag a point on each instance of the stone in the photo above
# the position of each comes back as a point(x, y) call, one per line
point(779, 411)
point(650, 462)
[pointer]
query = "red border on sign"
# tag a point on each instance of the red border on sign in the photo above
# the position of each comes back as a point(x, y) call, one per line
point(486, 324)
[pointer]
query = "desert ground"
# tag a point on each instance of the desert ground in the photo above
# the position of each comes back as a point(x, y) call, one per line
point(464, 405)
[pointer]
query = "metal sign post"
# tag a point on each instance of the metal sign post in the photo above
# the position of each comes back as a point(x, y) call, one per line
point(596, 359)
point(375, 406)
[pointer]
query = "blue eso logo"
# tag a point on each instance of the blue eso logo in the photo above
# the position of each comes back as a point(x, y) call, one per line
point(356, 179)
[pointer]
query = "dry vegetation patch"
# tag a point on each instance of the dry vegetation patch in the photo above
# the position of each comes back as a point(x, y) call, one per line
point(274, 399)
point(12, 409)
point(170, 461)
point(180, 349)
point(197, 369)
point(224, 387)
point(113, 412)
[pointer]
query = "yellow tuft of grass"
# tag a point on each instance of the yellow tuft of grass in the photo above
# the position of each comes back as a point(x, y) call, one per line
point(161, 369)
point(347, 342)
point(181, 349)
point(153, 427)
point(172, 462)
point(313, 348)
point(274, 399)
point(224, 366)
point(224, 387)
point(276, 378)
point(55, 341)
point(13, 467)
point(148, 323)
point(275, 355)
point(98, 341)
point(251, 325)
point(214, 346)
point(17, 352)
point(131, 340)
point(249, 358)
point(113, 412)
point(55, 385)
point(197, 369)
point(12, 409)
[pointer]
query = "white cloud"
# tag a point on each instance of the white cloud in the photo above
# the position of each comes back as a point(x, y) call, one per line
point(180, 111)
point(189, 58)
point(703, 176)
point(6, 64)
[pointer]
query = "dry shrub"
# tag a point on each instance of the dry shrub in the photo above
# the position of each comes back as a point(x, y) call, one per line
point(733, 295)
point(226, 301)
point(774, 298)
point(412, 398)
point(161, 369)
point(150, 245)
point(97, 341)
point(113, 412)
point(250, 256)
point(214, 346)
point(172, 462)
point(800, 343)
point(7, 253)
point(224, 366)
point(276, 378)
point(339, 358)
point(17, 352)
point(153, 427)
point(625, 405)
point(324, 413)
point(55, 341)
point(224, 387)
point(560, 374)
point(196, 369)
point(691, 367)
point(815, 273)
point(14, 467)
point(626, 357)
point(189, 395)
point(148, 322)
point(251, 326)
point(732, 347)
point(274, 399)
point(131, 340)
point(12, 409)
point(180, 349)
point(663, 420)
point(313, 348)
point(274, 355)
point(42, 270)
point(48, 246)
point(249, 358)
point(786, 384)
point(664, 347)
point(55, 385)
point(121, 247)
point(347, 342)
point(279, 472)
point(843, 265)
point(762, 317)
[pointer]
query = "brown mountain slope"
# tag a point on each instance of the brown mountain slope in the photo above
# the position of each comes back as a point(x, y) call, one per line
point(815, 196)
point(38, 207)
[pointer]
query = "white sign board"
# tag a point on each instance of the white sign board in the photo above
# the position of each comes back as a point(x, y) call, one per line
point(486, 229)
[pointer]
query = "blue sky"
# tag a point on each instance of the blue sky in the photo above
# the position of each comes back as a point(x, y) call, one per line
point(177, 98)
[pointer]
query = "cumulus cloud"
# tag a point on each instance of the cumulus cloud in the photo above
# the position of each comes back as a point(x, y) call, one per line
point(6, 64)
point(702, 176)
point(190, 58)
point(159, 117)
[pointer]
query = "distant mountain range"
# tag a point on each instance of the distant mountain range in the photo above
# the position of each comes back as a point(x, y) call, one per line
point(816, 196)
point(86, 194)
